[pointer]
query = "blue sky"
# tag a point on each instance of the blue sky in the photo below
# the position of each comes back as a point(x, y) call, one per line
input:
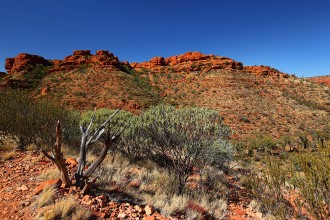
point(290, 35)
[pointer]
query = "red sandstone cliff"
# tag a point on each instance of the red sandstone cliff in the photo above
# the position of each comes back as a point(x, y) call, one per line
point(103, 60)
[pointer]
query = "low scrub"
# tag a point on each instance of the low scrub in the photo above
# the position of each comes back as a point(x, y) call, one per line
point(177, 140)
point(295, 187)
point(31, 121)
point(180, 140)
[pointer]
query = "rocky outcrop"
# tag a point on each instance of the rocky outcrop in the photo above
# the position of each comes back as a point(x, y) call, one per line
point(322, 80)
point(23, 63)
point(102, 60)
point(188, 62)
point(265, 71)
point(3, 74)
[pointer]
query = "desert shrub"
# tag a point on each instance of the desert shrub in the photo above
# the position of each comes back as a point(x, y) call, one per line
point(304, 176)
point(268, 189)
point(303, 138)
point(122, 121)
point(181, 139)
point(31, 121)
point(263, 142)
point(311, 178)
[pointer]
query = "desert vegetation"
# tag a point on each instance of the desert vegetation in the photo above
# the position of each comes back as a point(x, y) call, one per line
point(215, 144)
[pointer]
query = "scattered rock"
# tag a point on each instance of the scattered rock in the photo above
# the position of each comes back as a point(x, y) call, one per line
point(121, 215)
point(54, 182)
point(22, 188)
point(149, 209)
point(265, 71)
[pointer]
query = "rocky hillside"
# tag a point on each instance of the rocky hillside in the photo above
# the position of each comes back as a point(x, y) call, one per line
point(252, 99)
point(322, 80)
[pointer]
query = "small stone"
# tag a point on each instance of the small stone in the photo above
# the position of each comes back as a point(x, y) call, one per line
point(138, 208)
point(86, 198)
point(149, 209)
point(121, 215)
point(259, 215)
point(71, 162)
point(22, 188)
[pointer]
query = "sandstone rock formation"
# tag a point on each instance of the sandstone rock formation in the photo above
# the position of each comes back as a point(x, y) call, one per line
point(265, 71)
point(102, 60)
point(190, 61)
point(322, 80)
point(23, 63)
point(3, 74)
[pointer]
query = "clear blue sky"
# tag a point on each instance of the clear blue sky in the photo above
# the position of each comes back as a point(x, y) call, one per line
point(290, 35)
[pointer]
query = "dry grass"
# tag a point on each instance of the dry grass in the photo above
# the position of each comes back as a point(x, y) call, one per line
point(51, 173)
point(36, 160)
point(66, 208)
point(47, 197)
point(157, 188)
point(7, 155)
point(7, 144)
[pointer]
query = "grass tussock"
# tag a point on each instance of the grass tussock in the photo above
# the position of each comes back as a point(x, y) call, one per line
point(66, 208)
point(47, 197)
point(8, 155)
point(153, 182)
point(51, 173)
point(7, 144)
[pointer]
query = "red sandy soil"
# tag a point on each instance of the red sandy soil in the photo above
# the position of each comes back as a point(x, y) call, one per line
point(19, 182)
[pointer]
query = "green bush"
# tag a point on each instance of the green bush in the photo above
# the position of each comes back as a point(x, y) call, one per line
point(304, 175)
point(127, 144)
point(263, 142)
point(31, 121)
point(178, 140)
point(311, 179)
point(181, 139)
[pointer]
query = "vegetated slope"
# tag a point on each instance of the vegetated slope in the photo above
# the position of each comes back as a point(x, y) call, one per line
point(322, 80)
point(88, 88)
point(250, 103)
point(252, 99)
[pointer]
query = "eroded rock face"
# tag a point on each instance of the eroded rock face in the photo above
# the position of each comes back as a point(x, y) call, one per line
point(322, 80)
point(80, 58)
point(3, 74)
point(104, 60)
point(190, 61)
point(265, 71)
point(23, 63)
